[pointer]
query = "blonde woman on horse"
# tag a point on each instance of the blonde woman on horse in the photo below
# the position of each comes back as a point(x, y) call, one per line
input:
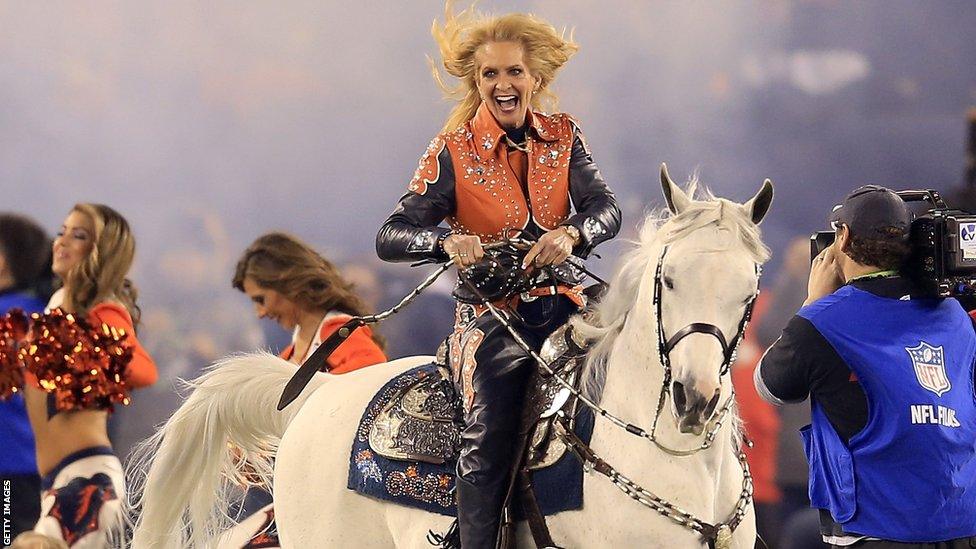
point(499, 168)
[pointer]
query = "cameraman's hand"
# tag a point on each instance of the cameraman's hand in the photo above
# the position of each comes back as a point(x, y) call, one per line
point(825, 276)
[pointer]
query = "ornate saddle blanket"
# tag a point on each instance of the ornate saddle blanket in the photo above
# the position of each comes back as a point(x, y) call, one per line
point(407, 444)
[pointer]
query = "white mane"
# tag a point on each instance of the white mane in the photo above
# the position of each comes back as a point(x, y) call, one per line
point(658, 228)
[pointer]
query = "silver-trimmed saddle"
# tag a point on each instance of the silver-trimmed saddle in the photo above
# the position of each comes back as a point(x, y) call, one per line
point(423, 421)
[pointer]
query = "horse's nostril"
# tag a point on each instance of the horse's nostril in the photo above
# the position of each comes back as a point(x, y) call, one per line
point(710, 408)
point(680, 399)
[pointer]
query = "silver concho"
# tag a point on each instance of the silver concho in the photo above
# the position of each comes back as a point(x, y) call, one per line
point(424, 241)
point(723, 539)
point(593, 228)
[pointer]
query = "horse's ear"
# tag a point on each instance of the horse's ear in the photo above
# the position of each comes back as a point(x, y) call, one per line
point(758, 206)
point(677, 199)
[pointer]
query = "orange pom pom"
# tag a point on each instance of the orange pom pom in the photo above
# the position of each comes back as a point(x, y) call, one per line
point(13, 331)
point(82, 366)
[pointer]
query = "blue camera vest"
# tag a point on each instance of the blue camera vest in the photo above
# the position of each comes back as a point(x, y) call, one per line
point(910, 474)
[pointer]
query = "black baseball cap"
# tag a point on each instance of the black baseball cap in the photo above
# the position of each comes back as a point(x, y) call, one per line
point(871, 209)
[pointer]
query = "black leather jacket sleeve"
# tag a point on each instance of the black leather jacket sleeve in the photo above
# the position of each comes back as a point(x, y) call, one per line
point(411, 233)
point(597, 216)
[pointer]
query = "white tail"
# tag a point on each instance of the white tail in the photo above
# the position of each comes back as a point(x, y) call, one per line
point(183, 477)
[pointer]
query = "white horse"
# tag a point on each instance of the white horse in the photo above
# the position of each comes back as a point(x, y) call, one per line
point(701, 261)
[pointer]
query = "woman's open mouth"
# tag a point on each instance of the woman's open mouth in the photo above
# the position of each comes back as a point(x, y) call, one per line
point(507, 103)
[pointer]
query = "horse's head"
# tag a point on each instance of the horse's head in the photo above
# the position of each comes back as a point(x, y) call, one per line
point(705, 281)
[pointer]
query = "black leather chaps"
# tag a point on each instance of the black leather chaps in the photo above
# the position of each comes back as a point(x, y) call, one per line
point(492, 419)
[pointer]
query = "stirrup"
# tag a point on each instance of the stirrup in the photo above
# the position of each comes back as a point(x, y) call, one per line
point(448, 540)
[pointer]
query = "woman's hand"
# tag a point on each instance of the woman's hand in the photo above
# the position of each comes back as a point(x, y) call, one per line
point(464, 250)
point(552, 249)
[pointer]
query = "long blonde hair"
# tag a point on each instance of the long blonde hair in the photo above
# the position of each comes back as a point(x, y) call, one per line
point(460, 36)
point(101, 276)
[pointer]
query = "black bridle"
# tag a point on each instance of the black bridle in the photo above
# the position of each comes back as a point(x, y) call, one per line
point(666, 345)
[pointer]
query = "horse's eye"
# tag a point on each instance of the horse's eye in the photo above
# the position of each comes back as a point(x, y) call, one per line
point(668, 283)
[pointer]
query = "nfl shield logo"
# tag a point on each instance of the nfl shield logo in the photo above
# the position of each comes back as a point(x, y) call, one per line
point(929, 367)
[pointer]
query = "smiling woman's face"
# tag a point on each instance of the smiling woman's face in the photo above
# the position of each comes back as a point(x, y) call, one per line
point(73, 243)
point(504, 82)
point(272, 304)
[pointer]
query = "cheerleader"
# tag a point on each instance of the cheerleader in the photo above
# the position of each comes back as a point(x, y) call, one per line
point(82, 479)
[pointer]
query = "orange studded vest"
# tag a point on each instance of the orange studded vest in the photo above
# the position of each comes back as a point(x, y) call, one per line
point(490, 200)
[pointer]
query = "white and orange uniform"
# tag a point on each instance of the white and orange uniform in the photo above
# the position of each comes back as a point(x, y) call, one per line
point(82, 493)
point(357, 351)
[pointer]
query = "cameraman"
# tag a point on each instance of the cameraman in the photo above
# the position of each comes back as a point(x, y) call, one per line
point(891, 444)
